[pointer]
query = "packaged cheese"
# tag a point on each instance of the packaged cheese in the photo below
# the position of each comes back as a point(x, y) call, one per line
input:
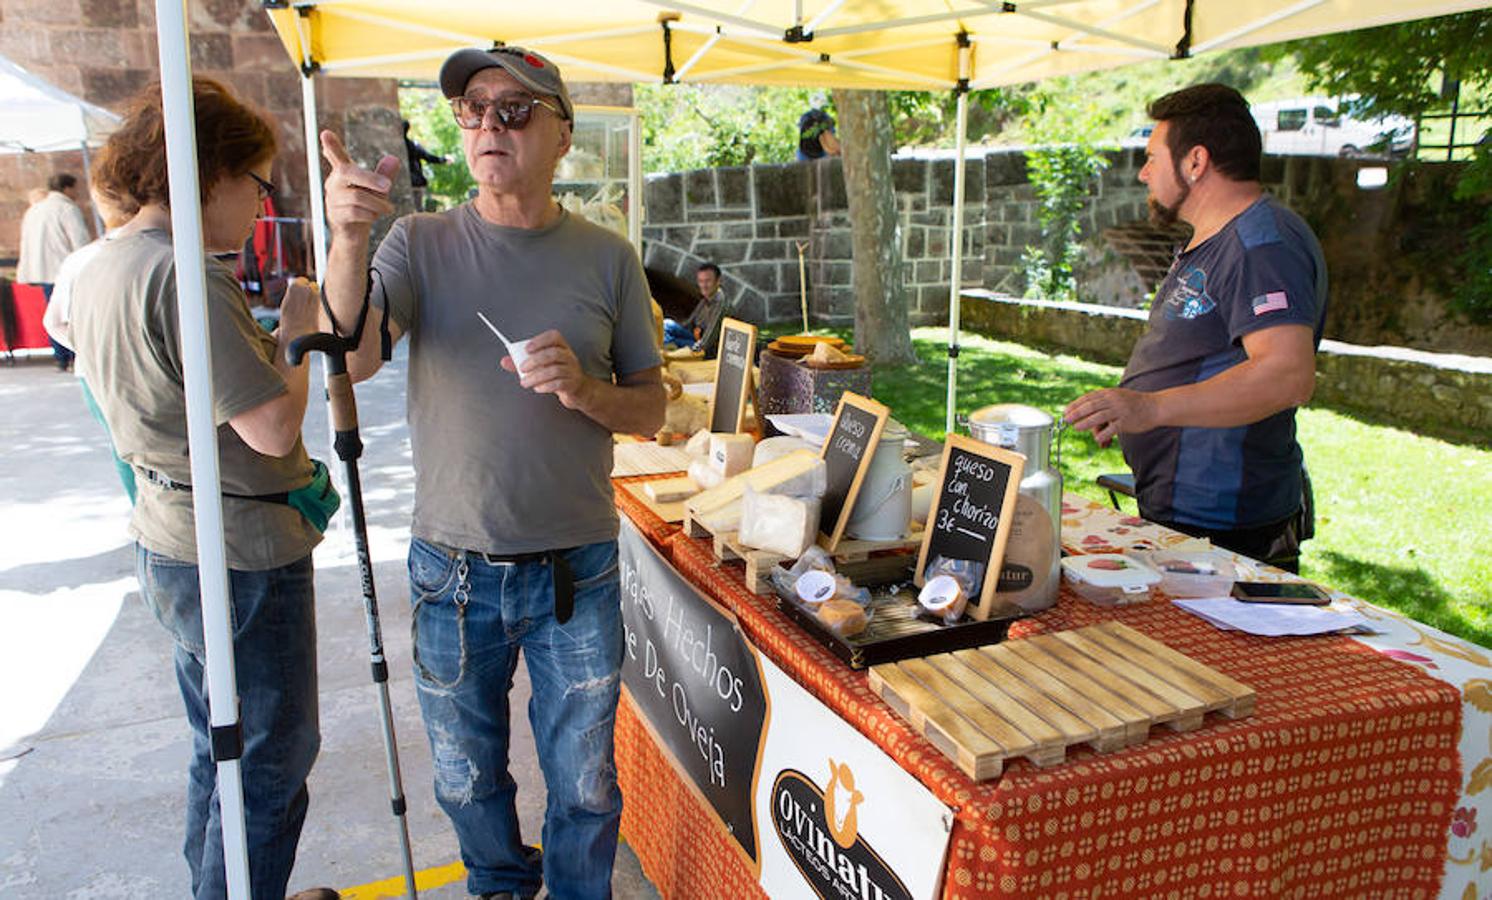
point(730, 454)
point(845, 618)
point(785, 525)
point(704, 474)
point(799, 474)
point(699, 444)
point(777, 447)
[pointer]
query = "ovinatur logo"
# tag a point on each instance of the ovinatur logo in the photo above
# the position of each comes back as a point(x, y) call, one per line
point(820, 830)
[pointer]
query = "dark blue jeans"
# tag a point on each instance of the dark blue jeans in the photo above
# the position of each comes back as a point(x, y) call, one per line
point(274, 647)
point(471, 619)
point(676, 335)
point(60, 353)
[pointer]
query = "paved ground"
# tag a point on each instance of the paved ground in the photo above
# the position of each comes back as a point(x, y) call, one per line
point(93, 805)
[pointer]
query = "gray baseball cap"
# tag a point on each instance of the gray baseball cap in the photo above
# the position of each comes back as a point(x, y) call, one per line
point(529, 69)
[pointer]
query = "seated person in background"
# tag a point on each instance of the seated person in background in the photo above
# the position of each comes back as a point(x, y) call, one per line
point(697, 330)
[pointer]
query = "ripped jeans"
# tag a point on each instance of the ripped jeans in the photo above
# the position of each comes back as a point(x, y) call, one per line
point(470, 619)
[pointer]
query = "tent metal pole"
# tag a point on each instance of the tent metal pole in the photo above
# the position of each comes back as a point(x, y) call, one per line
point(98, 220)
point(315, 190)
point(202, 435)
point(314, 187)
point(956, 281)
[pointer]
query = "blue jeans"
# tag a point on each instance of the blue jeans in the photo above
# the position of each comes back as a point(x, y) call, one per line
point(274, 648)
point(471, 618)
point(677, 335)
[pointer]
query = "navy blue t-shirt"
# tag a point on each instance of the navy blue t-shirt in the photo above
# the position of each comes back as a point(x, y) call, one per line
point(1264, 268)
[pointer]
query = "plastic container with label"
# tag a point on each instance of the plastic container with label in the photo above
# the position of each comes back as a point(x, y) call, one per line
point(1109, 579)
point(1192, 573)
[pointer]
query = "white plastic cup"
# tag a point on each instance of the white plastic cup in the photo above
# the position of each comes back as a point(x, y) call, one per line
point(815, 586)
point(519, 351)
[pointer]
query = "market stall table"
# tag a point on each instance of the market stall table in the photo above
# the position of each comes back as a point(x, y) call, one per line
point(1344, 780)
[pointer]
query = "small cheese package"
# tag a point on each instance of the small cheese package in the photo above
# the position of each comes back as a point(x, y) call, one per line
point(944, 597)
point(698, 444)
point(704, 474)
point(730, 454)
point(781, 524)
point(845, 618)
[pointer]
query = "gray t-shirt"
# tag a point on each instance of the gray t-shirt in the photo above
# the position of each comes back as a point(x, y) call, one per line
point(499, 468)
point(125, 329)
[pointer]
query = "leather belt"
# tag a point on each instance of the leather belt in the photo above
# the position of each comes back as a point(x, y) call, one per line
point(564, 577)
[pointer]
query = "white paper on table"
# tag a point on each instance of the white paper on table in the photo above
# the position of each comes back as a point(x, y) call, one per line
point(1273, 619)
point(811, 427)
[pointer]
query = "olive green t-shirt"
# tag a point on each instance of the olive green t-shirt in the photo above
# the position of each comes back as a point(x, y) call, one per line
point(127, 336)
point(500, 468)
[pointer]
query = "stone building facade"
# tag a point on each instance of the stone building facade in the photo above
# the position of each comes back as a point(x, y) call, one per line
point(105, 50)
point(750, 220)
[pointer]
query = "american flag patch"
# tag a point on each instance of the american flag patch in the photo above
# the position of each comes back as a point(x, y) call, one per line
point(1270, 302)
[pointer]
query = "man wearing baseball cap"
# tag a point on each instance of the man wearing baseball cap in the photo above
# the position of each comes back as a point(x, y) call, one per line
point(513, 542)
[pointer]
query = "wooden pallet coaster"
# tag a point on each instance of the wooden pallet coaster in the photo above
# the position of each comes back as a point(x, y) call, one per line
point(1105, 686)
point(852, 558)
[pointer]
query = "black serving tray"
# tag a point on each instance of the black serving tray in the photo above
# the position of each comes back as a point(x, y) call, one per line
point(894, 633)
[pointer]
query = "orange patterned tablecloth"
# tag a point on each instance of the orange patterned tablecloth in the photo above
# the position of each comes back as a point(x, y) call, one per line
point(1343, 781)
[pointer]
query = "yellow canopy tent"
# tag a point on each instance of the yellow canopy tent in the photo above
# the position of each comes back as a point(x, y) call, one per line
point(889, 44)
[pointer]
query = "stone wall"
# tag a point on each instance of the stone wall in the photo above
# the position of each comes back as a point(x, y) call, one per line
point(1388, 250)
point(105, 50)
point(1432, 393)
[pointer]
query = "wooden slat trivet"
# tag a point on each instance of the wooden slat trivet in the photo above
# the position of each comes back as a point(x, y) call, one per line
point(1104, 685)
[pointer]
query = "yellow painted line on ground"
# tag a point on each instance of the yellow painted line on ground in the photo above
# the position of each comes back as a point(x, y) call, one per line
point(424, 880)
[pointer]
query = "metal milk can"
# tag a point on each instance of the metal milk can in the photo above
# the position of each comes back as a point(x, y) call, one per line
point(884, 506)
point(1029, 574)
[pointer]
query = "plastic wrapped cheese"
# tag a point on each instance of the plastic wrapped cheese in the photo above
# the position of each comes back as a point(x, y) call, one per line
point(699, 444)
point(785, 525)
point(777, 447)
point(799, 474)
point(730, 454)
point(845, 618)
point(704, 474)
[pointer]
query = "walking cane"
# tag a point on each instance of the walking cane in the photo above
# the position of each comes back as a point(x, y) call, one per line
point(349, 447)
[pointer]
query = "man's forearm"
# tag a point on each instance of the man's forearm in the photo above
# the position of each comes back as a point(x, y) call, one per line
point(1245, 394)
point(345, 290)
point(626, 408)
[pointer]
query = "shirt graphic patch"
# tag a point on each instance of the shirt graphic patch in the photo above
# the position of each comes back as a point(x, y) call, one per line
point(1270, 302)
point(1189, 299)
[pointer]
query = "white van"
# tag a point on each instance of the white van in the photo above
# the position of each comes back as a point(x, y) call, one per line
point(1314, 126)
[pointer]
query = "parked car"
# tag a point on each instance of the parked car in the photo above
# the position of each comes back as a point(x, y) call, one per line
point(1317, 126)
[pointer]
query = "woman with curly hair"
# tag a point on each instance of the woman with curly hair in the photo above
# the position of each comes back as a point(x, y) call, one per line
point(125, 327)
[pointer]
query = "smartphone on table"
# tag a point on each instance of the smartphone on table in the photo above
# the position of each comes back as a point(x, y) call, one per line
point(1297, 592)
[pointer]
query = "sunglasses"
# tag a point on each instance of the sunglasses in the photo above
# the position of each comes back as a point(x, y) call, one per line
point(513, 113)
point(266, 188)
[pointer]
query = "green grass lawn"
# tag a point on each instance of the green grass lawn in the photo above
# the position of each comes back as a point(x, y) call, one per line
point(1403, 521)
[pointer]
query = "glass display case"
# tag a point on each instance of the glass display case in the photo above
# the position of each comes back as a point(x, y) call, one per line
point(601, 177)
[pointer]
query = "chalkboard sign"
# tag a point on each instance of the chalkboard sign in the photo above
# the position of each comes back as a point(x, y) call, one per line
point(847, 453)
point(696, 681)
point(976, 490)
point(732, 376)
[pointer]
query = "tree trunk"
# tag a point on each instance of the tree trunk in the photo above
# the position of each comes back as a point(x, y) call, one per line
point(881, 330)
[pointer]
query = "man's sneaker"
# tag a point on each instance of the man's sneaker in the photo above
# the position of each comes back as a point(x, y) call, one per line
point(315, 894)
